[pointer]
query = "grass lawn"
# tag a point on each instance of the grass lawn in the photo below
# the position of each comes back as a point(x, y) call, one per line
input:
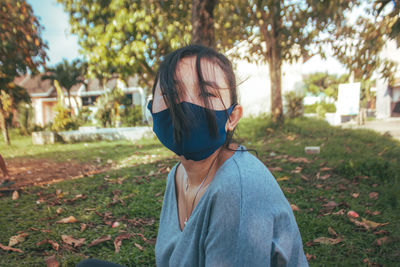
point(356, 170)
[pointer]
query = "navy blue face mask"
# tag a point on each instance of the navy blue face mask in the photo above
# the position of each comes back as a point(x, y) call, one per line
point(197, 144)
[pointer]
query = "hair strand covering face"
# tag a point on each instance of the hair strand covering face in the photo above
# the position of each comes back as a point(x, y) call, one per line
point(183, 117)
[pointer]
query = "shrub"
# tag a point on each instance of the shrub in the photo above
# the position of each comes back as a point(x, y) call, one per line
point(25, 118)
point(63, 120)
point(294, 104)
point(131, 116)
point(107, 107)
point(328, 107)
point(83, 116)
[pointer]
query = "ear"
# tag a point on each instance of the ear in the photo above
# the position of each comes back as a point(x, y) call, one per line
point(234, 118)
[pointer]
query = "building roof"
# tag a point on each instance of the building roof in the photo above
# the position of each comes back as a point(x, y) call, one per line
point(37, 87)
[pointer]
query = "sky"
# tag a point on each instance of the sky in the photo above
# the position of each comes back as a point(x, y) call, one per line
point(62, 44)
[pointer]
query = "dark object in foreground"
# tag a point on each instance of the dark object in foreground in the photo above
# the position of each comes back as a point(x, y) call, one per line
point(96, 263)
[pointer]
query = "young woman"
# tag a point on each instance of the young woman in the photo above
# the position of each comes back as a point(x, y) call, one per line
point(222, 207)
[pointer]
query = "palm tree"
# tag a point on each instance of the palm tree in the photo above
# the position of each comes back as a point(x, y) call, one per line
point(67, 75)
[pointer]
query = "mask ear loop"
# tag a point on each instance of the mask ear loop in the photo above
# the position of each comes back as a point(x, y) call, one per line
point(229, 115)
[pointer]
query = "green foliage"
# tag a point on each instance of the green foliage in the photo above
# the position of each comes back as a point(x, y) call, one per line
point(22, 47)
point(394, 26)
point(287, 31)
point(108, 107)
point(131, 116)
point(83, 116)
point(328, 107)
point(67, 74)
point(63, 120)
point(130, 38)
point(320, 82)
point(25, 118)
point(358, 45)
point(294, 104)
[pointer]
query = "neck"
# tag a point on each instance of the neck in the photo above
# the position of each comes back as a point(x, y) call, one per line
point(197, 170)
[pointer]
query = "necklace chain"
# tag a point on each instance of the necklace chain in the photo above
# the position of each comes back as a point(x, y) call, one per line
point(197, 192)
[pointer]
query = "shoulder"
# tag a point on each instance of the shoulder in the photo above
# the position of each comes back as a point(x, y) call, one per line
point(247, 179)
point(244, 170)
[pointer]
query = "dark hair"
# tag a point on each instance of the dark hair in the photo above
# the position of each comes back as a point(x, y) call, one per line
point(169, 84)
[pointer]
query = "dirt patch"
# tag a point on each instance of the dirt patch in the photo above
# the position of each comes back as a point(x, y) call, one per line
point(28, 172)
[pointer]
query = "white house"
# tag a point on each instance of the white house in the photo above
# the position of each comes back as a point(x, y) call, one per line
point(44, 95)
point(388, 95)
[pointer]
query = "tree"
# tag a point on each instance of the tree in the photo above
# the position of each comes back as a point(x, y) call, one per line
point(67, 75)
point(394, 27)
point(21, 49)
point(323, 82)
point(203, 22)
point(358, 47)
point(130, 38)
point(285, 31)
point(127, 38)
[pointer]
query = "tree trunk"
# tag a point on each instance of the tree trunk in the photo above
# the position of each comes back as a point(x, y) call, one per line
point(4, 127)
point(275, 62)
point(275, 73)
point(203, 22)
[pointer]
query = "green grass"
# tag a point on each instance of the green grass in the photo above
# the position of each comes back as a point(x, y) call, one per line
point(361, 161)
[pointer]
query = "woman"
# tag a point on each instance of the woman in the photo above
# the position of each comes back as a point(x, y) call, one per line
point(222, 207)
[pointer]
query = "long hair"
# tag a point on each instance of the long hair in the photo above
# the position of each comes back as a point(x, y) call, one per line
point(170, 85)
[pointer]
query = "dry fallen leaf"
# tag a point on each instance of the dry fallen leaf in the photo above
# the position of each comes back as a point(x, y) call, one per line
point(284, 178)
point(310, 257)
point(383, 240)
point(330, 205)
point(373, 195)
point(355, 195)
point(138, 246)
point(7, 248)
point(327, 240)
point(83, 227)
point(72, 241)
point(332, 232)
point(368, 225)
point(52, 261)
point(70, 219)
point(115, 224)
point(15, 195)
point(53, 243)
point(373, 225)
point(294, 207)
point(100, 240)
point(352, 214)
point(367, 211)
point(305, 178)
point(59, 210)
point(118, 241)
point(17, 239)
point(275, 169)
point(339, 212)
point(324, 177)
point(325, 169)
point(381, 232)
point(297, 170)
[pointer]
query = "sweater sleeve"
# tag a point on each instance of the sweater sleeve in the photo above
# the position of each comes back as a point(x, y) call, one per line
point(254, 228)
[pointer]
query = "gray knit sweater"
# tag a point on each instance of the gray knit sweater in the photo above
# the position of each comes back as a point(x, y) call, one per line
point(242, 219)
